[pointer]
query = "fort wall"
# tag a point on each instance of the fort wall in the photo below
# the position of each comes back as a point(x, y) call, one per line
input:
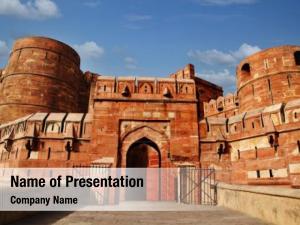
point(54, 115)
point(260, 146)
point(253, 137)
point(46, 140)
point(269, 77)
point(42, 75)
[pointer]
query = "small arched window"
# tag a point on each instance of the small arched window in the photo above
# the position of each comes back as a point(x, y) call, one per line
point(297, 58)
point(220, 106)
point(246, 69)
point(146, 88)
point(184, 89)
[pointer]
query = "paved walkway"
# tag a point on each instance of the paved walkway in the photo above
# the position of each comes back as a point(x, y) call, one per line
point(205, 215)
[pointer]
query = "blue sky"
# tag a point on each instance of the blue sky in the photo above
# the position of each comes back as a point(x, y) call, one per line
point(155, 37)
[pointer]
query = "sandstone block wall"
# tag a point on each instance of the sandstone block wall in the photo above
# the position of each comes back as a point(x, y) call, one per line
point(164, 110)
point(269, 77)
point(42, 75)
point(253, 137)
point(46, 140)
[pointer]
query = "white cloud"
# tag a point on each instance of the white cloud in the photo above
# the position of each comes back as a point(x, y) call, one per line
point(136, 17)
point(245, 50)
point(4, 50)
point(130, 63)
point(223, 78)
point(216, 57)
point(31, 9)
point(212, 57)
point(89, 50)
point(226, 2)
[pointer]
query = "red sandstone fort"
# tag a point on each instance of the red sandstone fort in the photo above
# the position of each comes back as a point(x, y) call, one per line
point(54, 115)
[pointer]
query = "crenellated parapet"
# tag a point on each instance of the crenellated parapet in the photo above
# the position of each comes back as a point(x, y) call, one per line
point(292, 111)
point(266, 78)
point(188, 72)
point(48, 137)
point(222, 106)
point(133, 88)
point(263, 119)
point(263, 144)
point(180, 86)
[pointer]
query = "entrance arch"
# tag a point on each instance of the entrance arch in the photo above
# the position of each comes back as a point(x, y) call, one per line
point(143, 153)
point(142, 138)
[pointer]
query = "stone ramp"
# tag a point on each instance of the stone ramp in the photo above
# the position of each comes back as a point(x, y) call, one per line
point(204, 216)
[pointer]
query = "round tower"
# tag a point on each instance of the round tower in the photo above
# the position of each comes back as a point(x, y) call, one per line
point(42, 75)
point(269, 77)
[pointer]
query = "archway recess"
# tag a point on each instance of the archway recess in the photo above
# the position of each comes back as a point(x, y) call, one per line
point(145, 143)
point(143, 153)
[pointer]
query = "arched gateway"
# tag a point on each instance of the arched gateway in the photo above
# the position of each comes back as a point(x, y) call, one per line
point(144, 147)
point(143, 153)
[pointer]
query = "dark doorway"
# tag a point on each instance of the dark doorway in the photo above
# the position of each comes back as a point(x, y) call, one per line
point(143, 154)
point(137, 156)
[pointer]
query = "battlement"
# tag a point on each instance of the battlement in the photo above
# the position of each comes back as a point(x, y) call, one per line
point(265, 122)
point(263, 79)
point(222, 106)
point(60, 125)
point(188, 72)
point(262, 146)
point(49, 137)
point(179, 86)
point(264, 119)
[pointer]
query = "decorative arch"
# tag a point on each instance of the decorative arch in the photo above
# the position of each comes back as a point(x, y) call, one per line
point(185, 89)
point(141, 133)
point(146, 88)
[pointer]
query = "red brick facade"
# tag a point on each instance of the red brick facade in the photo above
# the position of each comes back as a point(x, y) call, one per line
point(42, 75)
point(54, 115)
point(253, 136)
